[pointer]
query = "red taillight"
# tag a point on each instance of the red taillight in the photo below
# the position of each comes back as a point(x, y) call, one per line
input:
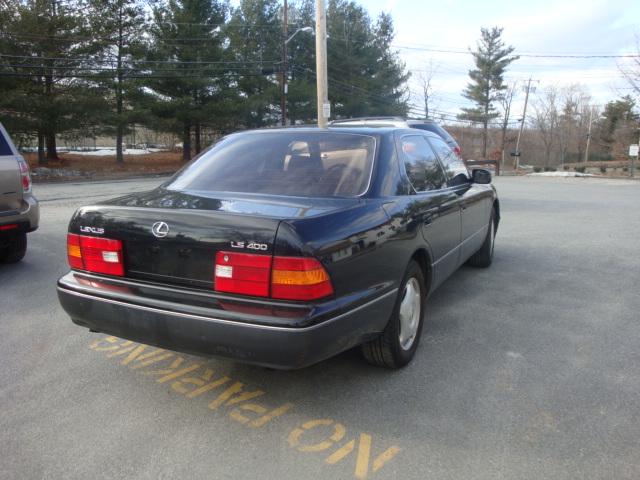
point(242, 273)
point(25, 176)
point(94, 254)
point(284, 278)
point(11, 226)
point(457, 151)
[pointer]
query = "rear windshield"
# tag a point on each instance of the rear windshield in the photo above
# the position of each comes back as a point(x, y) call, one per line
point(310, 164)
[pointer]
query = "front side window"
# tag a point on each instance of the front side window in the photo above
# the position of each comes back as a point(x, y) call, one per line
point(421, 164)
point(296, 163)
point(456, 170)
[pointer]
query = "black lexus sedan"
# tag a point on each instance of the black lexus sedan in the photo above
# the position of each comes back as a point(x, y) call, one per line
point(283, 247)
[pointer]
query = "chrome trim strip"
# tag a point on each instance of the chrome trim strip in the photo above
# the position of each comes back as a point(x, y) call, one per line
point(482, 231)
point(455, 249)
point(221, 320)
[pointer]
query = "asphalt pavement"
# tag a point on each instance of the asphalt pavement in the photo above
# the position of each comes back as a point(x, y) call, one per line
point(527, 370)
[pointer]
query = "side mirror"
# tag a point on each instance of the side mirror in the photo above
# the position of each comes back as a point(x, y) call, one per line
point(480, 175)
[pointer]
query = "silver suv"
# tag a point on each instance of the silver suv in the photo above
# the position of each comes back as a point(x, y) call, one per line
point(19, 211)
point(428, 125)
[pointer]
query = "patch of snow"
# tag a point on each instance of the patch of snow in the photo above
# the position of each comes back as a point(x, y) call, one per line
point(560, 174)
point(55, 172)
point(103, 152)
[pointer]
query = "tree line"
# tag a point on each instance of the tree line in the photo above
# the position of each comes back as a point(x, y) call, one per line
point(88, 68)
point(97, 67)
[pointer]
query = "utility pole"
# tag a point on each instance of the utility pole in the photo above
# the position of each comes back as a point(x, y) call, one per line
point(283, 85)
point(524, 117)
point(586, 150)
point(324, 107)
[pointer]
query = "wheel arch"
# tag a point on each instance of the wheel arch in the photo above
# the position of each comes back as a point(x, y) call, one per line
point(422, 257)
point(496, 208)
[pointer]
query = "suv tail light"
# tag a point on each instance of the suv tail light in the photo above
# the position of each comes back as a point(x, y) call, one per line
point(284, 278)
point(25, 175)
point(94, 254)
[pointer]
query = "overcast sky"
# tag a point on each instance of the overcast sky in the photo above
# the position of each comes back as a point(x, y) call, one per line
point(544, 27)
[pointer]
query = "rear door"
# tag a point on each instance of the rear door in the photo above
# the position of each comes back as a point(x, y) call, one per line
point(10, 181)
point(475, 200)
point(435, 205)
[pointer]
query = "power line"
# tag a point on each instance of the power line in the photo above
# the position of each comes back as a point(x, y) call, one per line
point(516, 53)
point(134, 76)
point(150, 62)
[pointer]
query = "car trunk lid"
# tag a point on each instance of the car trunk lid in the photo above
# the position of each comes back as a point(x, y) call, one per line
point(173, 238)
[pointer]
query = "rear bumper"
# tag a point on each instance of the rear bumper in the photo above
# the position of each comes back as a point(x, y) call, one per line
point(27, 218)
point(209, 330)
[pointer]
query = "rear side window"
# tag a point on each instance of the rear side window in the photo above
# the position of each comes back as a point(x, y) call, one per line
point(323, 164)
point(5, 148)
point(421, 164)
point(456, 170)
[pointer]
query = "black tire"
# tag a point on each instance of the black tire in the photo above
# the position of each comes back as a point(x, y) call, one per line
point(386, 350)
point(484, 256)
point(15, 249)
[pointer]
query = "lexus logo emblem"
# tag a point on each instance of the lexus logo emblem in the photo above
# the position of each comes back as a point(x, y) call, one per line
point(160, 229)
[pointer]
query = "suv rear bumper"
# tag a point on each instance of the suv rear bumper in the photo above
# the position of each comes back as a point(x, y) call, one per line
point(272, 341)
point(27, 218)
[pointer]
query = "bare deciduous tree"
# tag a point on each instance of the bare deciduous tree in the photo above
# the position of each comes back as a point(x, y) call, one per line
point(545, 119)
point(505, 104)
point(630, 70)
point(573, 121)
point(425, 80)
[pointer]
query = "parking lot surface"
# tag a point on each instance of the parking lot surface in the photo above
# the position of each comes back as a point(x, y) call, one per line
point(529, 369)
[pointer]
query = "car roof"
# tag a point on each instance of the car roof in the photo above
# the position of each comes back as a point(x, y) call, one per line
point(370, 130)
point(415, 121)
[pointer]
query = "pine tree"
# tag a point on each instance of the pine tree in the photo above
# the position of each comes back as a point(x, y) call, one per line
point(47, 48)
point(389, 79)
point(365, 76)
point(301, 62)
point(255, 34)
point(188, 73)
point(619, 124)
point(119, 27)
point(491, 58)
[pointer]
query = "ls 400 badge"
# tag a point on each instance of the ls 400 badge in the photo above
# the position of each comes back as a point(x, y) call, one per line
point(250, 245)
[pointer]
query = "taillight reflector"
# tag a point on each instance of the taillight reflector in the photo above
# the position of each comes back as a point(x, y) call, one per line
point(25, 175)
point(11, 226)
point(94, 254)
point(285, 278)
